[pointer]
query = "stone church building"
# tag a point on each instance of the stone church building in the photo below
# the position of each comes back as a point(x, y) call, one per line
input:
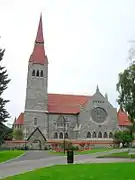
point(53, 116)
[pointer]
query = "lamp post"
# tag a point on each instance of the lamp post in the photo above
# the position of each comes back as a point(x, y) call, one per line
point(25, 138)
point(64, 132)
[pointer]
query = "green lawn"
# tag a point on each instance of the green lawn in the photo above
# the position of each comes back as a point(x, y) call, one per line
point(118, 155)
point(6, 155)
point(108, 171)
point(84, 152)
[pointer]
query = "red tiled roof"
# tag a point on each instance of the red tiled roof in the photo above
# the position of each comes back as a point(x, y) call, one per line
point(123, 118)
point(70, 104)
point(40, 37)
point(20, 119)
point(62, 103)
point(38, 56)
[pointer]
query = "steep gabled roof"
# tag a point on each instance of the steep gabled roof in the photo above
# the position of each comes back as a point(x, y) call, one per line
point(20, 119)
point(66, 103)
point(71, 104)
point(123, 118)
point(36, 129)
point(38, 55)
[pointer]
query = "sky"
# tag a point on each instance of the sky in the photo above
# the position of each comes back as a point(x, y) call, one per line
point(86, 41)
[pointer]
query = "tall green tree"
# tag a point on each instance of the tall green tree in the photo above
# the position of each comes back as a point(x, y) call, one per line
point(126, 89)
point(18, 134)
point(4, 115)
point(124, 137)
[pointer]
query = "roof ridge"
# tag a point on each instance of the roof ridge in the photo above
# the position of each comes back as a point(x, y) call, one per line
point(70, 94)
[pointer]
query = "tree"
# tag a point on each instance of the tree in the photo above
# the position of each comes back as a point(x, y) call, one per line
point(126, 89)
point(124, 137)
point(9, 135)
point(3, 86)
point(6, 133)
point(18, 134)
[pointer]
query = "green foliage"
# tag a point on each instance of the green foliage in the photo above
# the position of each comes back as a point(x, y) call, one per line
point(74, 148)
point(8, 136)
point(18, 134)
point(3, 86)
point(126, 89)
point(5, 133)
point(68, 145)
point(123, 137)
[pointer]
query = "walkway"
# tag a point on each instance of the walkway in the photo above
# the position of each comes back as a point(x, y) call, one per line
point(38, 159)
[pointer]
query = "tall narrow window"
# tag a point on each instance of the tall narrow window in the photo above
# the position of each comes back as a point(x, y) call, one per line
point(105, 134)
point(88, 135)
point(33, 72)
point(61, 135)
point(66, 135)
point(94, 135)
point(41, 73)
point(55, 135)
point(110, 135)
point(99, 135)
point(35, 121)
point(37, 72)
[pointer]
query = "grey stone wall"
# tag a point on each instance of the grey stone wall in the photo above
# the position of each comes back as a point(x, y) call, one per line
point(36, 99)
point(52, 125)
point(88, 124)
point(56, 125)
point(36, 91)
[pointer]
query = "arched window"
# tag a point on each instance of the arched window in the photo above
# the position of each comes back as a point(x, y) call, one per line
point(37, 72)
point(94, 135)
point(88, 135)
point(105, 134)
point(33, 72)
point(35, 121)
point(99, 135)
point(110, 135)
point(41, 73)
point(66, 135)
point(55, 135)
point(61, 135)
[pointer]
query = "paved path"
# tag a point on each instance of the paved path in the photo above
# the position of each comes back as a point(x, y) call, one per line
point(35, 159)
point(33, 155)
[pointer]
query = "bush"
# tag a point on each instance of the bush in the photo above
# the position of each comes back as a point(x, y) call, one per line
point(124, 137)
point(74, 148)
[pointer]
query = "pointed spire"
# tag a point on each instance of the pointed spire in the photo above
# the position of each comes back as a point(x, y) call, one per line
point(106, 96)
point(38, 56)
point(97, 90)
point(40, 37)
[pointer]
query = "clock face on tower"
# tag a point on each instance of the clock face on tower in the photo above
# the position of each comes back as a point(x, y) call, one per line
point(99, 115)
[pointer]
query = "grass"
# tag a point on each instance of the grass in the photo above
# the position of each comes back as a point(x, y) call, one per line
point(7, 155)
point(107, 171)
point(117, 155)
point(83, 152)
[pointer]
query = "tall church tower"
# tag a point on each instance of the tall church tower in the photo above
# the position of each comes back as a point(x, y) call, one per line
point(36, 102)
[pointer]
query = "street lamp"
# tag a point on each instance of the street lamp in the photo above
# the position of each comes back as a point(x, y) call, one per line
point(25, 138)
point(64, 132)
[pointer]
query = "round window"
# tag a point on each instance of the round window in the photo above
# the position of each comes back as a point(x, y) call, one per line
point(99, 115)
